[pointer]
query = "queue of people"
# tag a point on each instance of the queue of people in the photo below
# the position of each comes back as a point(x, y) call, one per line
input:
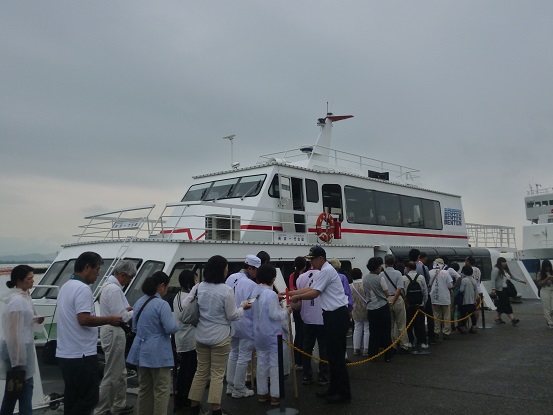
point(237, 315)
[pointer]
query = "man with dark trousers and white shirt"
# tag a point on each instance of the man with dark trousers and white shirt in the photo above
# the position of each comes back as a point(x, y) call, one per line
point(334, 302)
point(78, 336)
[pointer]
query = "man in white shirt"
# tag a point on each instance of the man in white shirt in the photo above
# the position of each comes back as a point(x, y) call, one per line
point(113, 389)
point(440, 284)
point(241, 345)
point(477, 275)
point(394, 280)
point(334, 302)
point(313, 330)
point(78, 336)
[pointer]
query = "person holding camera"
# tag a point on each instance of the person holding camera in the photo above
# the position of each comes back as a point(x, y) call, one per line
point(17, 348)
point(113, 389)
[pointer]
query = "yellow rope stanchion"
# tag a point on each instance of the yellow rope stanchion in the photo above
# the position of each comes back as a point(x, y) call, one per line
point(360, 362)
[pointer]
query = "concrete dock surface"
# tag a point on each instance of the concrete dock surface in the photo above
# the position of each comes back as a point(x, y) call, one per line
point(499, 370)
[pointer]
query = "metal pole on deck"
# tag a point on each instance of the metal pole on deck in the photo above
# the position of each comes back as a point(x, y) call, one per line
point(482, 310)
point(281, 409)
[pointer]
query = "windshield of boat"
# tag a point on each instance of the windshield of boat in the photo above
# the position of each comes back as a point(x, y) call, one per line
point(247, 186)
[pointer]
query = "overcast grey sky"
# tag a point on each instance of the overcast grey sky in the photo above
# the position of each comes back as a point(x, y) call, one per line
point(108, 105)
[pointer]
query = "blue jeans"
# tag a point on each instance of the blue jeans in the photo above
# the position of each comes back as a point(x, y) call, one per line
point(25, 401)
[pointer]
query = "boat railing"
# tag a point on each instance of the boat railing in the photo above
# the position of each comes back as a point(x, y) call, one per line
point(123, 224)
point(497, 237)
point(539, 190)
point(229, 220)
point(345, 160)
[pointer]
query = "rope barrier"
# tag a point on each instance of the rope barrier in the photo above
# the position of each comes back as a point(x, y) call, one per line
point(390, 346)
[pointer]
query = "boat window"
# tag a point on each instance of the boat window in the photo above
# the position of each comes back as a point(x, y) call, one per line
point(68, 271)
point(370, 207)
point(544, 203)
point(432, 214)
point(411, 212)
point(530, 204)
point(360, 205)
point(49, 279)
point(246, 186)
point(221, 189)
point(537, 204)
point(273, 188)
point(332, 200)
point(387, 209)
point(196, 192)
point(134, 292)
point(551, 203)
point(311, 191)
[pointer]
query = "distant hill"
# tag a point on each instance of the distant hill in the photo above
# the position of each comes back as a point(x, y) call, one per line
point(27, 258)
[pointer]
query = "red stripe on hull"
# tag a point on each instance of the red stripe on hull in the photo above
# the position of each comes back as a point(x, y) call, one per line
point(392, 233)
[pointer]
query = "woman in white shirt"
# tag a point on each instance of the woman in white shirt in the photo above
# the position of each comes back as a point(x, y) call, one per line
point(213, 333)
point(17, 348)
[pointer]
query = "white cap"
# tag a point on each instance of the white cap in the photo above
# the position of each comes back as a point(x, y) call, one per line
point(253, 261)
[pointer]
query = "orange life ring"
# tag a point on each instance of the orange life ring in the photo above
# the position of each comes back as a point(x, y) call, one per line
point(325, 233)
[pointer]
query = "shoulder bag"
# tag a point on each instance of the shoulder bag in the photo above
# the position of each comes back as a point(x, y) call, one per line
point(191, 313)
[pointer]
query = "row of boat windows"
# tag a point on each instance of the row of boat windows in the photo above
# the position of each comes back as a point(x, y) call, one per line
point(362, 206)
point(60, 272)
point(539, 203)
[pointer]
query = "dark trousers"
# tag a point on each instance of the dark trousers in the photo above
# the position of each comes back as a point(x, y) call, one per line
point(298, 339)
point(187, 370)
point(429, 321)
point(312, 333)
point(336, 324)
point(466, 309)
point(82, 383)
point(25, 400)
point(417, 326)
point(380, 329)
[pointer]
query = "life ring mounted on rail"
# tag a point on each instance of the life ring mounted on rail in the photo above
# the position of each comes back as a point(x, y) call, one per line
point(326, 232)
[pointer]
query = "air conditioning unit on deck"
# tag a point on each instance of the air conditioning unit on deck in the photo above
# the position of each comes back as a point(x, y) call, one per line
point(222, 228)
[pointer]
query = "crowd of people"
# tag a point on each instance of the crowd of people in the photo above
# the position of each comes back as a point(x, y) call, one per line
point(238, 316)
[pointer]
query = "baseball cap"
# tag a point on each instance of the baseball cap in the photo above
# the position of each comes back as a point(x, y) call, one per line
point(315, 252)
point(253, 261)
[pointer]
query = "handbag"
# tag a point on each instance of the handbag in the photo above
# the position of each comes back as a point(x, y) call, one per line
point(511, 289)
point(191, 313)
point(130, 333)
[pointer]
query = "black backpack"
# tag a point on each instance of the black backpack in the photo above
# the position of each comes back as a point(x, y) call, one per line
point(413, 293)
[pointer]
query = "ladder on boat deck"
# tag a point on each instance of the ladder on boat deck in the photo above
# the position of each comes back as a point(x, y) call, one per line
point(122, 251)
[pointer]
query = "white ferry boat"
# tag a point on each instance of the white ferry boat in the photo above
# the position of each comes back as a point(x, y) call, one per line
point(355, 206)
point(537, 243)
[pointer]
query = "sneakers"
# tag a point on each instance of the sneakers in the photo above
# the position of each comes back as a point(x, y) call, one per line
point(323, 381)
point(263, 398)
point(365, 353)
point(499, 321)
point(126, 410)
point(515, 321)
point(424, 346)
point(299, 367)
point(357, 352)
point(242, 393)
point(230, 389)
point(274, 401)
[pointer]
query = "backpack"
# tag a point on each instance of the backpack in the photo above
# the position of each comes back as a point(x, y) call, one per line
point(413, 293)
